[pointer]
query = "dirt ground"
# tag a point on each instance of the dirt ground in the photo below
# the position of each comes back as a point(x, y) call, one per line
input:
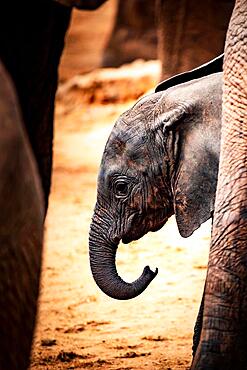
point(78, 326)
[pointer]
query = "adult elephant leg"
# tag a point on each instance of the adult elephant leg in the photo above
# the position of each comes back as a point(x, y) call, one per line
point(184, 30)
point(31, 43)
point(223, 340)
point(21, 231)
point(134, 33)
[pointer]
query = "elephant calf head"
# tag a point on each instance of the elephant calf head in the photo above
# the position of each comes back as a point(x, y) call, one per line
point(161, 159)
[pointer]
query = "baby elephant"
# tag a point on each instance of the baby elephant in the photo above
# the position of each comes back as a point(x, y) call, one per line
point(161, 159)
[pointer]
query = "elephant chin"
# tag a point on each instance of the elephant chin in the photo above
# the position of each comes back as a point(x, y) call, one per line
point(103, 265)
point(139, 231)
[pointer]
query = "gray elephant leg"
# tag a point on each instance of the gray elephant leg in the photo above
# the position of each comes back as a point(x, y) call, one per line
point(184, 28)
point(21, 232)
point(134, 34)
point(31, 43)
point(223, 338)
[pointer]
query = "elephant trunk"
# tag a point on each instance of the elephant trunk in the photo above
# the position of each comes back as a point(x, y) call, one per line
point(102, 253)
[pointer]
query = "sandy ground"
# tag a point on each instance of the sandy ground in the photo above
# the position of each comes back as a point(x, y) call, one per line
point(78, 326)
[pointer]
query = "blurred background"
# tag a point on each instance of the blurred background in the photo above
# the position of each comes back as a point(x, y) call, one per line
point(113, 56)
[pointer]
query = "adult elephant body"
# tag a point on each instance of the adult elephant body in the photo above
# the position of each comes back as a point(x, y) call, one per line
point(161, 158)
point(134, 34)
point(223, 338)
point(31, 43)
point(21, 232)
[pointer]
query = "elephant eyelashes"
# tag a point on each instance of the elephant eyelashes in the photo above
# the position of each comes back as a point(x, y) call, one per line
point(121, 188)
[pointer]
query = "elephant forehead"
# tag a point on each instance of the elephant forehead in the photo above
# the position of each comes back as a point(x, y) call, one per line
point(128, 159)
point(125, 160)
point(132, 143)
point(115, 146)
point(139, 115)
point(146, 103)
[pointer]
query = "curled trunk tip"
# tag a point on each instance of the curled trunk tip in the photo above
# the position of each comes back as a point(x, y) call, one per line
point(103, 265)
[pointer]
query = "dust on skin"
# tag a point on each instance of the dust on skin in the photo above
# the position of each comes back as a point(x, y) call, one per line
point(78, 326)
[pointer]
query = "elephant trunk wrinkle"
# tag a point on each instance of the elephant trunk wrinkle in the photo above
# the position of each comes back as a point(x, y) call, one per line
point(102, 252)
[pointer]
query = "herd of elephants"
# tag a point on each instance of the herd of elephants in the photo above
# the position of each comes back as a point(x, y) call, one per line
point(180, 150)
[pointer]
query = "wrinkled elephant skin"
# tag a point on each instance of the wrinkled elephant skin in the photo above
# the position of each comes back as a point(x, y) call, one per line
point(223, 338)
point(21, 232)
point(31, 43)
point(190, 32)
point(160, 159)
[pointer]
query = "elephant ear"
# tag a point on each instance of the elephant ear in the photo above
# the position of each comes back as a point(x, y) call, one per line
point(194, 166)
point(195, 179)
point(194, 191)
point(213, 66)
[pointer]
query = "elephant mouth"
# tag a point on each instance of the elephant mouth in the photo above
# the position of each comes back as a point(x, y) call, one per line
point(126, 240)
point(129, 237)
point(157, 227)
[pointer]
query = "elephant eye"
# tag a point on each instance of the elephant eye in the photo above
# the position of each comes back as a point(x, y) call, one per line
point(121, 188)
